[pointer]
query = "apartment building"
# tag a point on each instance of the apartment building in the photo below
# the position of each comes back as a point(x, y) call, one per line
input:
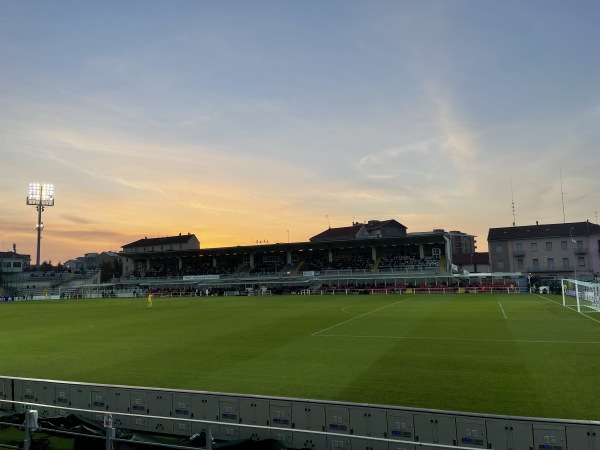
point(549, 251)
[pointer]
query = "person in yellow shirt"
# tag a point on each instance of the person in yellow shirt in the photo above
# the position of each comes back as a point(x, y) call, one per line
point(150, 300)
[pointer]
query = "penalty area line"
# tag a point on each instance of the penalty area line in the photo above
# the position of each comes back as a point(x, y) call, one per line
point(503, 313)
point(357, 317)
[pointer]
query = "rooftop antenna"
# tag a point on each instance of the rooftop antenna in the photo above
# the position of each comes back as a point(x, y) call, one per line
point(562, 195)
point(328, 224)
point(512, 196)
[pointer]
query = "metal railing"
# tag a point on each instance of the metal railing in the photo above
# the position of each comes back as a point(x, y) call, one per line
point(332, 439)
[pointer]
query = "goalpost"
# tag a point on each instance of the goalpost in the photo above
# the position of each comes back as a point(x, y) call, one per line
point(582, 296)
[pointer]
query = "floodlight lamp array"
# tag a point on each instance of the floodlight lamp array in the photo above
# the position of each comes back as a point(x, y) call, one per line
point(41, 194)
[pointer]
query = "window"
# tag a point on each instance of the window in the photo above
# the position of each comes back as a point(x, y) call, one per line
point(549, 246)
point(500, 264)
point(534, 246)
point(519, 247)
point(550, 263)
point(566, 265)
point(498, 248)
point(520, 263)
point(563, 245)
point(536, 264)
point(581, 261)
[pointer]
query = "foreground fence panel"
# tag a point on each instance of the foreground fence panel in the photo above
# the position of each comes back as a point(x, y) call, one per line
point(295, 423)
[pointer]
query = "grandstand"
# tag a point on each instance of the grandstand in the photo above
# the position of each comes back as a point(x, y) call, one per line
point(374, 258)
point(336, 260)
point(56, 284)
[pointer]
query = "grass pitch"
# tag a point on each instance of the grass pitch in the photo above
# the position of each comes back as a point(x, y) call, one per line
point(514, 354)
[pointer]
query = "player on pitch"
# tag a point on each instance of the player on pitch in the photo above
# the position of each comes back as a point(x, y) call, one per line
point(149, 300)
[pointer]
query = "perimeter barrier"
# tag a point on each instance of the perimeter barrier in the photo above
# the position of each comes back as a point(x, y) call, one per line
point(230, 420)
point(333, 290)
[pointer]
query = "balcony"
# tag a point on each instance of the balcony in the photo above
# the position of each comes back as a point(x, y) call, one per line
point(518, 252)
point(580, 250)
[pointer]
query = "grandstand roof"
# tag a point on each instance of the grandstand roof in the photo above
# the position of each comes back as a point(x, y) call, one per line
point(181, 239)
point(359, 230)
point(544, 231)
point(412, 239)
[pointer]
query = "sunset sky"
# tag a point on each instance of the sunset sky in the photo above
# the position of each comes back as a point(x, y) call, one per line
point(243, 121)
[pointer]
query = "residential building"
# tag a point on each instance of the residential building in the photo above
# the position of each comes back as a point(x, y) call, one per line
point(12, 262)
point(547, 251)
point(462, 243)
point(12, 265)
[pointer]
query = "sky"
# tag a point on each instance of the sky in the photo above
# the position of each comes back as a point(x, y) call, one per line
point(245, 121)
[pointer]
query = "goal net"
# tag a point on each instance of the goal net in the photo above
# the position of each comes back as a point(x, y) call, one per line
point(582, 296)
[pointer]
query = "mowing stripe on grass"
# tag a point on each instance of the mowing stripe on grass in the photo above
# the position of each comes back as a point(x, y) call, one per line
point(429, 338)
point(358, 317)
point(503, 313)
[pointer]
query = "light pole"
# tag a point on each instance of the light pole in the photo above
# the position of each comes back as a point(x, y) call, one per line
point(40, 195)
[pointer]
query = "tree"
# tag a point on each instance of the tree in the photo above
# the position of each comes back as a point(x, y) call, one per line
point(46, 266)
point(109, 270)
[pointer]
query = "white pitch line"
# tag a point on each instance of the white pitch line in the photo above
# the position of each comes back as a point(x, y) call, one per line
point(520, 341)
point(349, 312)
point(560, 304)
point(503, 313)
point(357, 317)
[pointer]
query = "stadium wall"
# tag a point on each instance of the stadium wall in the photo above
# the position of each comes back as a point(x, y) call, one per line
point(297, 423)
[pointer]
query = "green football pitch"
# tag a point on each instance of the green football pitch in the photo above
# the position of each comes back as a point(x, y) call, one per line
point(518, 354)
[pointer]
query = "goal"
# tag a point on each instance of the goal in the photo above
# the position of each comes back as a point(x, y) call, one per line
point(582, 296)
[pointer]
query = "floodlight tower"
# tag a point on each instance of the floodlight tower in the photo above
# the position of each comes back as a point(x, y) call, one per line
point(40, 195)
